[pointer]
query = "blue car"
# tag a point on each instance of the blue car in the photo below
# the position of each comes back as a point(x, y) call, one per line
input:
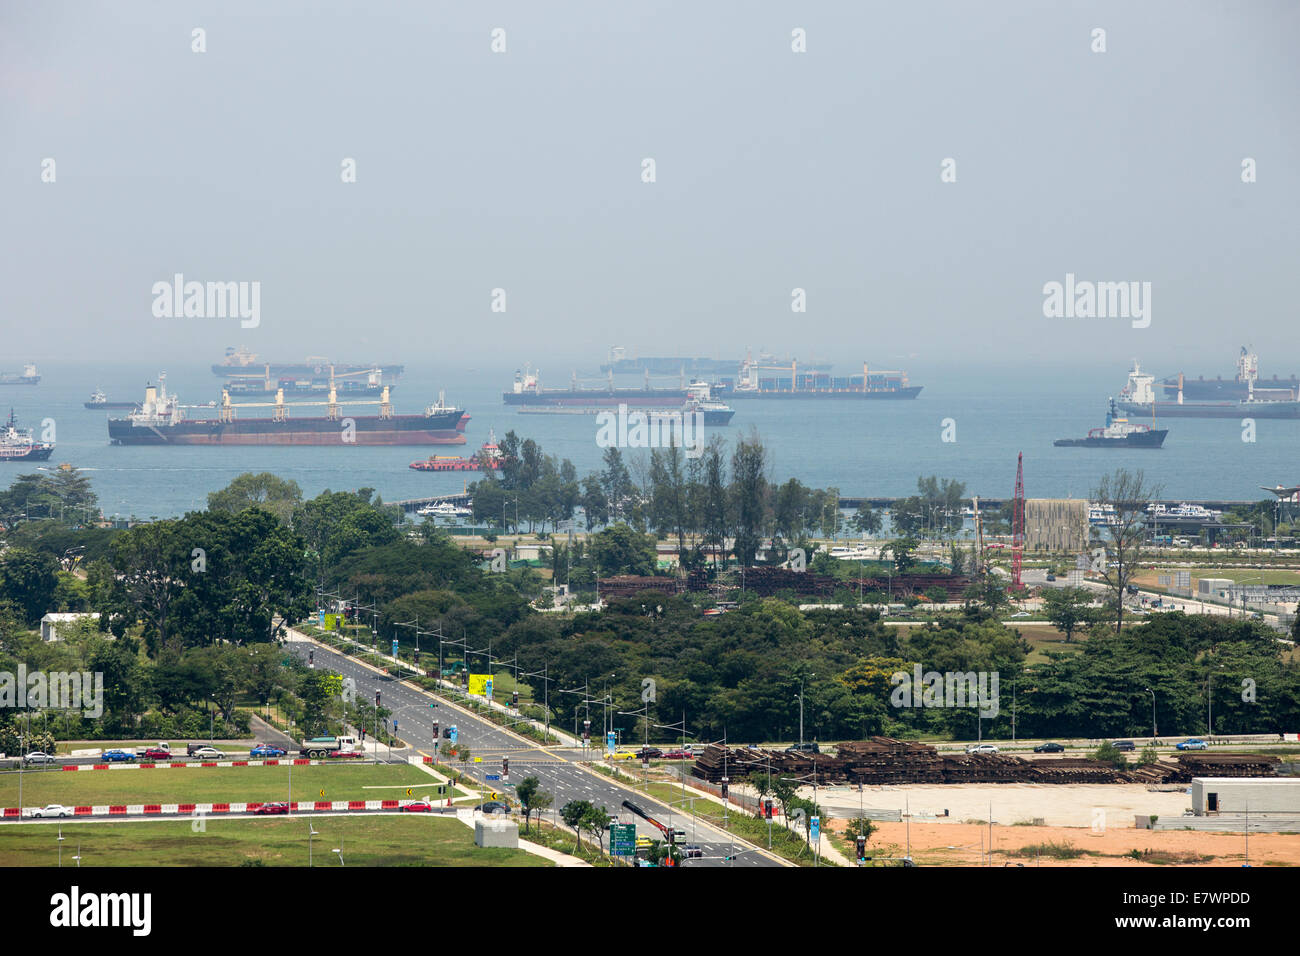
point(1193, 743)
point(266, 750)
point(114, 756)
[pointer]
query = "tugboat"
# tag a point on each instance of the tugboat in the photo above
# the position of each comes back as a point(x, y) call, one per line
point(1118, 433)
point(99, 400)
point(488, 457)
point(17, 444)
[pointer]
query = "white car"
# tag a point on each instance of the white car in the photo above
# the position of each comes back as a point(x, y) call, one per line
point(981, 749)
point(37, 757)
point(208, 753)
point(53, 810)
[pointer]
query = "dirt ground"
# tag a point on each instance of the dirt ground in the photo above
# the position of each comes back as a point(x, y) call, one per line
point(1084, 825)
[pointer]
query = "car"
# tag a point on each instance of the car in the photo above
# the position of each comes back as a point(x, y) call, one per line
point(493, 806)
point(53, 810)
point(678, 755)
point(644, 843)
point(266, 750)
point(37, 756)
point(1021, 614)
point(1049, 748)
point(447, 732)
point(345, 755)
point(981, 749)
point(208, 753)
point(272, 809)
point(156, 753)
point(649, 753)
point(810, 748)
point(692, 852)
point(116, 756)
point(622, 755)
point(1124, 745)
point(1051, 577)
point(1192, 743)
point(418, 806)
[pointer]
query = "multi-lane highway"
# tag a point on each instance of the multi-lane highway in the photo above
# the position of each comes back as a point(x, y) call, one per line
point(560, 770)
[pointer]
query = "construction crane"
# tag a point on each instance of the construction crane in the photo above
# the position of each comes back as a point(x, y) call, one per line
point(1018, 522)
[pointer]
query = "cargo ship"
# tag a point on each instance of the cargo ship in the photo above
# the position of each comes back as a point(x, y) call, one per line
point(1138, 397)
point(486, 458)
point(241, 360)
point(696, 367)
point(99, 400)
point(162, 420)
point(17, 444)
point(1247, 384)
point(1117, 433)
point(798, 384)
point(28, 376)
point(346, 383)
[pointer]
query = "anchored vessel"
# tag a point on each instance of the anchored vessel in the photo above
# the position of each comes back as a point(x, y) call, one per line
point(489, 456)
point(17, 444)
point(99, 400)
point(28, 377)
point(241, 360)
point(1117, 433)
point(161, 420)
point(1246, 384)
point(1138, 397)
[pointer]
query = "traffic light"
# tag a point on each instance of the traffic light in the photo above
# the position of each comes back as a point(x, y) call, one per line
point(311, 657)
point(725, 787)
point(435, 730)
point(514, 698)
point(376, 700)
point(861, 843)
point(767, 809)
point(586, 729)
point(417, 657)
point(505, 766)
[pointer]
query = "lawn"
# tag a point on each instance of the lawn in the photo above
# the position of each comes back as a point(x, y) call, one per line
point(365, 840)
point(215, 785)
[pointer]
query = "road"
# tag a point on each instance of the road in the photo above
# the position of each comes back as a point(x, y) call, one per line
point(558, 769)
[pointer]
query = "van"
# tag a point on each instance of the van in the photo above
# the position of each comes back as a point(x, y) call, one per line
point(1124, 745)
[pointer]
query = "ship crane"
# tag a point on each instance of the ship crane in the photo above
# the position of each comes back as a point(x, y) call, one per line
point(281, 413)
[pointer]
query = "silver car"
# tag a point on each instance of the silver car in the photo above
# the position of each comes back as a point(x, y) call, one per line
point(53, 810)
point(37, 757)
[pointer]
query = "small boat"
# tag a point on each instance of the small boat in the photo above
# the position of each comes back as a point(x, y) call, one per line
point(1117, 433)
point(99, 400)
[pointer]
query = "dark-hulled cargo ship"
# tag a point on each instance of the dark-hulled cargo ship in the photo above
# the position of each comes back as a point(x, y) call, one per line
point(1247, 385)
point(161, 420)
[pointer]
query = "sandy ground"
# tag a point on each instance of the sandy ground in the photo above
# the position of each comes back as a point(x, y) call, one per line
point(1095, 819)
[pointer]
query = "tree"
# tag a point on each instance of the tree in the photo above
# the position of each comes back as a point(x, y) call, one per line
point(596, 821)
point(262, 490)
point(573, 814)
point(748, 496)
point(532, 798)
point(30, 579)
point(867, 520)
point(902, 551)
point(620, 549)
point(1067, 608)
point(1124, 496)
point(785, 791)
point(860, 827)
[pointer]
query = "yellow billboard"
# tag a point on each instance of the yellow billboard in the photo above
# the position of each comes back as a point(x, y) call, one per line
point(479, 684)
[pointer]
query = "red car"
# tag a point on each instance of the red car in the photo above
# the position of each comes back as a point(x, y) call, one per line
point(346, 755)
point(419, 806)
point(272, 809)
point(153, 753)
point(678, 755)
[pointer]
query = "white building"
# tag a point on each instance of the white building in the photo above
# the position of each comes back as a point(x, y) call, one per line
point(67, 621)
point(1240, 795)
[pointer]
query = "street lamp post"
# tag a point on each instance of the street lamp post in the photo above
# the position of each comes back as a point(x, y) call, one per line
point(1154, 733)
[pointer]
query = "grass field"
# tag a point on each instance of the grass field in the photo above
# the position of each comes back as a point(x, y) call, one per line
point(366, 841)
point(1245, 575)
point(215, 785)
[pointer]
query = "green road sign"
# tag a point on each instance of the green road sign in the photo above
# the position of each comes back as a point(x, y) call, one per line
point(622, 839)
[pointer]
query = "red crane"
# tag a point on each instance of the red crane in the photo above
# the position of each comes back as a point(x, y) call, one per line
point(1018, 521)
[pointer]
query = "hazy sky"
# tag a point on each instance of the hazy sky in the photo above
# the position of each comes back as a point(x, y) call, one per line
point(774, 170)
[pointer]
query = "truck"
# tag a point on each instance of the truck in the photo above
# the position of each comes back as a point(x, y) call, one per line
point(324, 746)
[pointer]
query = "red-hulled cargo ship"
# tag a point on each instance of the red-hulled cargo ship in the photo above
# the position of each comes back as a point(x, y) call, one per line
point(487, 457)
point(161, 421)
